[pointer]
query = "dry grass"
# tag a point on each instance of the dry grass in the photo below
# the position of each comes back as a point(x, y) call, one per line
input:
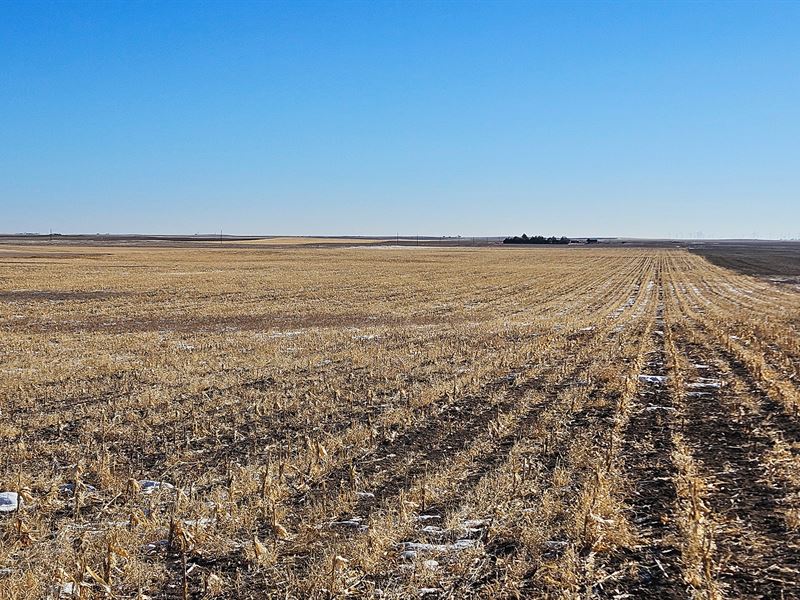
point(438, 423)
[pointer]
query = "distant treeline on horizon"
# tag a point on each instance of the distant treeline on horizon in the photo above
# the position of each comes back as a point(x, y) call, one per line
point(536, 239)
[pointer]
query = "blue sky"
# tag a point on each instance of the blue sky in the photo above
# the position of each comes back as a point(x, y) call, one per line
point(633, 119)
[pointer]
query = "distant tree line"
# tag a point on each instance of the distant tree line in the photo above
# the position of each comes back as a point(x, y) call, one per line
point(535, 239)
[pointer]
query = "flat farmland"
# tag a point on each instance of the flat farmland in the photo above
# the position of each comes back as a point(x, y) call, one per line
point(395, 423)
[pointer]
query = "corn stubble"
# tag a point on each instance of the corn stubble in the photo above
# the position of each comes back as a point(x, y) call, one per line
point(330, 423)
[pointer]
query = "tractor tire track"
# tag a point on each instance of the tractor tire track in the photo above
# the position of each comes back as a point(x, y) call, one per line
point(646, 452)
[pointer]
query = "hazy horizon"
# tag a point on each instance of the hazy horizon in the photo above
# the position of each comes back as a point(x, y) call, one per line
point(663, 120)
point(401, 236)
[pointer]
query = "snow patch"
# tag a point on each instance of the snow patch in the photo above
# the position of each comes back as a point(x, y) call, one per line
point(201, 522)
point(428, 517)
point(148, 486)
point(9, 501)
point(456, 546)
point(65, 590)
point(426, 591)
point(285, 334)
point(69, 488)
point(706, 383)
point(433, 530)
point(353, 523)
point(653, 378)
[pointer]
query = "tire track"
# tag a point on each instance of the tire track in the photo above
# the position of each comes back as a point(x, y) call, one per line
point(652, 567)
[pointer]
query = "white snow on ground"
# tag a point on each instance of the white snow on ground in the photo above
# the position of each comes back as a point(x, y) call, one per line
point(148, 486)
point(96, 528)
point(474, 525)
point(8, 501)
point(410, 550)
point(153, 547)
point(456, 546)
point(69, 488)
point(202, 521)
point(653, 378)
point(738, 291)
point(628, 303)
point(705, 383)
point(353, 523)
point(285, 334)
point(433, 530)
point(428, 517)
point(65, 590)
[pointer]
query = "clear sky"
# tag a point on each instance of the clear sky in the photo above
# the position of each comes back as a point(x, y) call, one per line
point(632, 119)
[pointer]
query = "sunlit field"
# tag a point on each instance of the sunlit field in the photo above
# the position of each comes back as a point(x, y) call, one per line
point(395, 423)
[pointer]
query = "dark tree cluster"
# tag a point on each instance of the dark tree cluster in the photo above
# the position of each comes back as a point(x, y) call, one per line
point(535, 239)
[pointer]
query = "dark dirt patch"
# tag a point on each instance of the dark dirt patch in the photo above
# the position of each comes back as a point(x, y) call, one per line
point(762, 259)
point(730, 450)
point(28, 296)
point(779, 419)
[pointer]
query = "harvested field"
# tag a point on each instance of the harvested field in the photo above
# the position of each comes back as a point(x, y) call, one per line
point(301, 422)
